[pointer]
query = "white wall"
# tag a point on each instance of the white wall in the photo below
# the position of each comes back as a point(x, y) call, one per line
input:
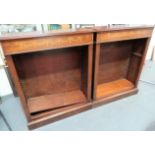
point(5, 88)
point(152, 44)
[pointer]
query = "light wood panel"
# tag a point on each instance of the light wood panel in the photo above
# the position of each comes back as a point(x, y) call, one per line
point(114, 87)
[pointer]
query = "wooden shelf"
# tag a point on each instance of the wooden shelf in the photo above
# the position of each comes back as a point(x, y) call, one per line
point(114, 87)
point(48, 102)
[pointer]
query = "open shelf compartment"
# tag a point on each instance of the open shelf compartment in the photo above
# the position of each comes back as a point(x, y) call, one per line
point(119, 64)
point(53, 79)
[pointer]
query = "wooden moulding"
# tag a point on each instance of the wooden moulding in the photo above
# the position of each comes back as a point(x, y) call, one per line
point(11, 47)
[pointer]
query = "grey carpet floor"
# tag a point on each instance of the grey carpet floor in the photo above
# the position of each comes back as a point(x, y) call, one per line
point(134, 113)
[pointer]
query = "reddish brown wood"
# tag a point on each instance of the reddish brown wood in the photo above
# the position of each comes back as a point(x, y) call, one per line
point(96, 69)
point(45, 43)
point(48, 102)
point(123, 35)
point(53, 79)
point(53, 71)
point(114, 61)
point(59, 111)
point(86, 69)
point(63, 113)
point(114, 87)
point(114, 97)
point(89, 77)
point(120, 54)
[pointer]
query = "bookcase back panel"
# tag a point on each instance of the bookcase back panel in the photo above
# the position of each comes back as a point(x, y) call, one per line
point(114, 61)
point(120, 60)
point(50, 72)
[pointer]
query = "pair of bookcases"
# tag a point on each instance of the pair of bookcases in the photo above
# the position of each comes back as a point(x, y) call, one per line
point(58, 74)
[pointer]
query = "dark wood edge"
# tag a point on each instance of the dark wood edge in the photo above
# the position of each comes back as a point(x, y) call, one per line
point(96, 68)
point(58, 116)
point(89, 68)
point(115, 97)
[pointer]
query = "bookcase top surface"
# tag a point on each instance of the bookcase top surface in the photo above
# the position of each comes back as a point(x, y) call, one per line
point(37, 34)
point(121, 27)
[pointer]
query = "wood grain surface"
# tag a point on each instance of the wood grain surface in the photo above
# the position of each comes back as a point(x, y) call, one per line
point(11, 47)
point(114, 87)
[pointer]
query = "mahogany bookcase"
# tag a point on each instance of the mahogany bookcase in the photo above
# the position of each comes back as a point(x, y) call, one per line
point(52, 73)
point(119, 58)
point(58, 74)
